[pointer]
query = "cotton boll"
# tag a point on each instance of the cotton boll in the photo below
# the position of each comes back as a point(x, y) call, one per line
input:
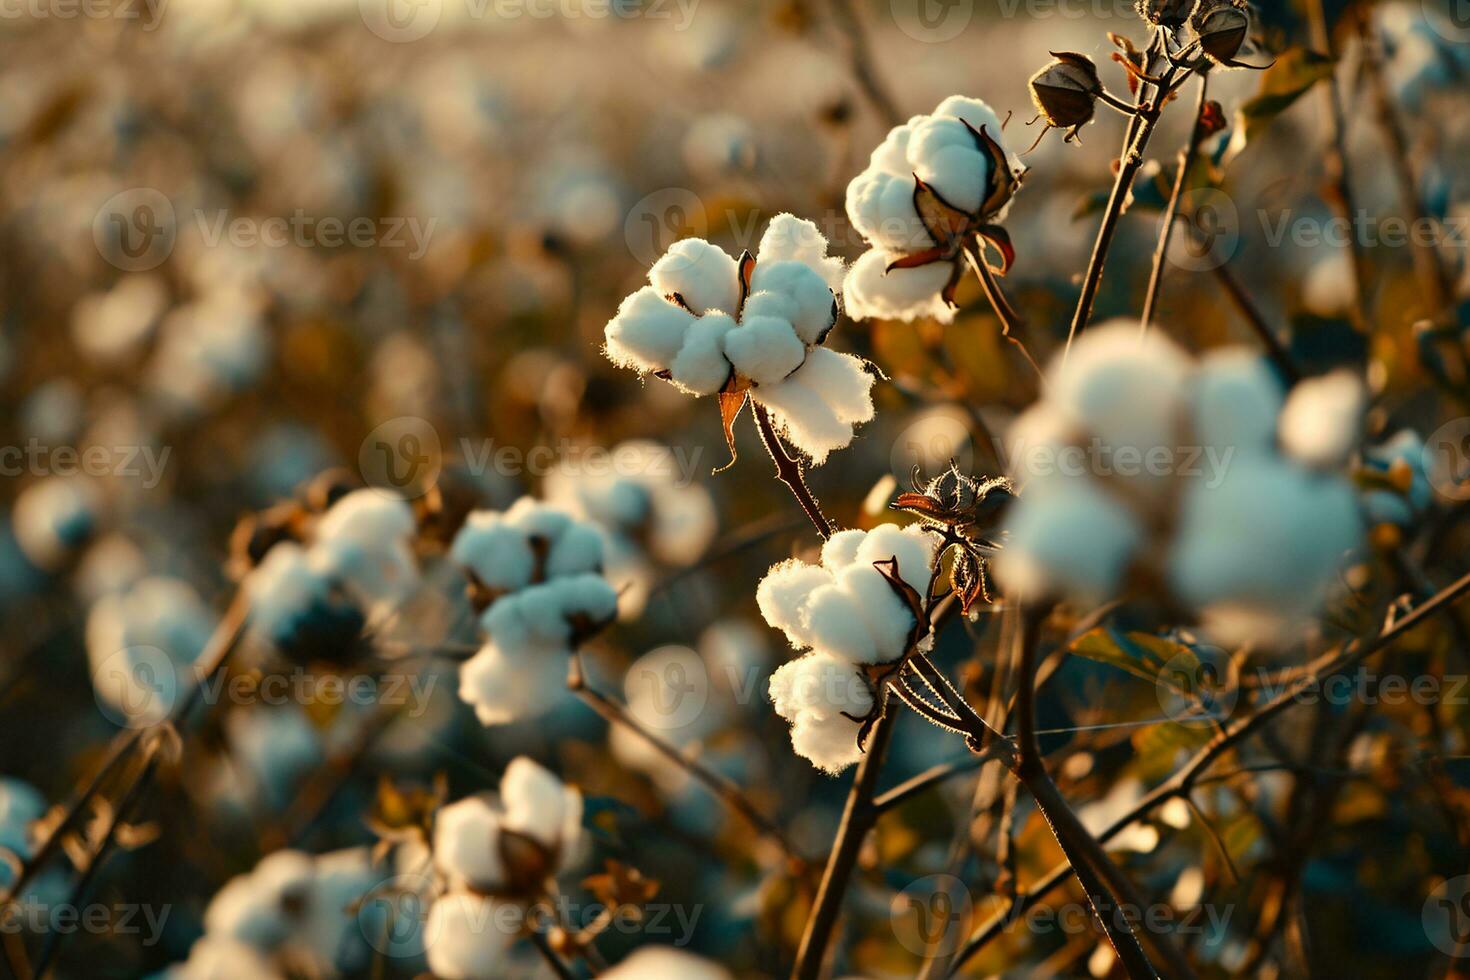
point(703, 275)
point(841, 549)
point(539, 806)
point(647, 332)
point(791, 239)
point(816, 693)
point(577, 551)
point(973, 111)
point(1123, 386)
point(1237, 400)
point(946, 157)
point(842, 381)
point(377, 574)
point(701, 367)
point(368, 515)
point(782, 594)
point(53, 517)
point(500, 555)
point(838, 626)
point(764, 349)
point(262, 908)
point(872, 291)
point(886, 616)
point(665, 963)
point(912, 546)
point(467, 843)
point(809, 302)
point(467, 942)
point(504, 688)
point(881, 208)
point(538, 519)
point(1323, 419)
point(1073, 538)
point(807, 420)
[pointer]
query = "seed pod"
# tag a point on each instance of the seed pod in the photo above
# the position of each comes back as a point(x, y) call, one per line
point(1222, 27)
point(1165, 13)
point(1065, 92)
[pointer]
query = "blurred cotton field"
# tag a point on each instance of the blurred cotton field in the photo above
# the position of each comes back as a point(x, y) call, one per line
point(686, 488)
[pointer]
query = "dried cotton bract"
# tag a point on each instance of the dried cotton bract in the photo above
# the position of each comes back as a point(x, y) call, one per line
point(710, 325)
point(850, 616)
point(1193, 474)
point(933, 185)
point(535, 574)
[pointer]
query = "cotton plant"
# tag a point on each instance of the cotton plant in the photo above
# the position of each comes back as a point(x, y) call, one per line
point(495, 853)
point(535, 578)
point(1244, 515)
point(858, 613)
point(937, 187)
point(751, 329)
point(141, 643)
point(649, 514)
point(351, 572)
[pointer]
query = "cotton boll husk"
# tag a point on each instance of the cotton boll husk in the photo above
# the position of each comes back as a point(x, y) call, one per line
point(467, 843)
point(647, 331)
point(577, 551)
point(665, 963)
point(782, 594)
point(1237, 401)
point(912, 546)
point(1323, 419)
point(841, 549)
point(842, 381)
point(704, 275)
point(791, 239)
point(500, 555)
point(368, 515)
point(1072, 537)
point(1271, 536)
point(701, 367)
point(539, 806)
point(809, 304)
point(837, 624)
point(872, 291)
point(465, 940)
point(504, 688)
point(764, 349)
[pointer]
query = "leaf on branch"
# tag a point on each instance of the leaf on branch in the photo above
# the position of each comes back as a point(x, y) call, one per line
point(1293, 74)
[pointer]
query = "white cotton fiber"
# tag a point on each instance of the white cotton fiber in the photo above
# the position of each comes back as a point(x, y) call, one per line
point(1073, 538)
point(880, 206)
point(791, 239)
point(499, 554)
point(808, 301)
point(837, 625)
point(1125, 387)
point(703, 275)
point(912, 546)
point(367, 515)
point(466, 843)
point(1236, 402)
point(871, 291)
point(577, 550)
point(782, 594)
point(1323, 419)
point(885, 615)
point(815, 693)
point(804, 418)
point(505, 687)
point(701, 367)
point(945, 156)
point(467, 945)
point(764, 349)
point(840, 550)
point(647, 332)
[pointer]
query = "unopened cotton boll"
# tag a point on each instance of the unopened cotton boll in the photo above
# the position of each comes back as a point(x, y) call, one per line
point(1323, 419)
point(1070, 537)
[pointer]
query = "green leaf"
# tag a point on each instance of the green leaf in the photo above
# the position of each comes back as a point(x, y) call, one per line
point(1293, 74)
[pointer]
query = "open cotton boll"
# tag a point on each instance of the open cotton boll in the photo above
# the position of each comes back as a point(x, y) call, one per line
point(818, 406)
point(53, 517)
point(871, 291)
point(368, 515)
point(807, 298)
point(1124, 387)
point(837, 624)
point(704, 276)
point(946, 157)
point(815, 693)
point(538, 805)
point(701, 367)
point(1271, 536)
point(577, 551)
point(665, 963)
point(791, 239)
point(285, 588)
point(1071, 537)
point(880, 205)
point(886, 616)
point(499, 555)
point(764, 349)
point(469, 942)
point(647, 331)
point(264, 906)
point(973, 111)
point(1323, 419)
point(508, 687)
point(913, 547)
point(538, 519)
point(842, 381)
point(378, 573)
point(1237, 401)
point(467, 843)
point(782, 594)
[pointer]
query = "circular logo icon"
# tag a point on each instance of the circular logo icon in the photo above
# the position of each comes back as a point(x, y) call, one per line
point(1450, 19)
point(1446, 916)
point(135, 229)
point(1193, 687)
point(400, 21)
point(662, 218)
point(931, 917)
point(932, 21)
point(1209, 231)
point(668, 688)
point(394, 916)
point(136, 686)
point(1447, 459)
point(930, 443)
point(402, 456)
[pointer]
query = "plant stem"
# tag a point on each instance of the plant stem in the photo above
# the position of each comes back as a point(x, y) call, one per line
point(860, 63)
point(1010, 321)
point(788, 471)
point(1192, 773)
point(724, 789)
point(1186, 163)
point(858, 817)
point(1256, 320)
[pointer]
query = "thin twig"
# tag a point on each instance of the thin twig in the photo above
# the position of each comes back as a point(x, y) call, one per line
point(1011, 323)
point(788, 471)
point(860, 63)
point(1186, 164)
